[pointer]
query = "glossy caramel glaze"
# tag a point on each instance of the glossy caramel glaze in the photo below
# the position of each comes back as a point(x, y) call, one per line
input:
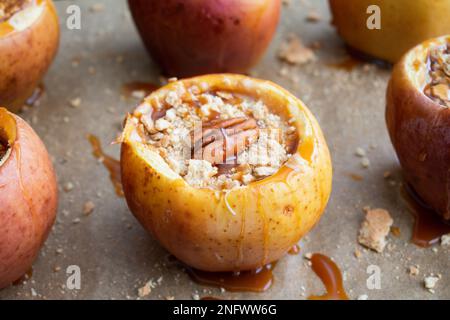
point(111, 164)
point(258, 280)
point(428, 226)
point(331, 277)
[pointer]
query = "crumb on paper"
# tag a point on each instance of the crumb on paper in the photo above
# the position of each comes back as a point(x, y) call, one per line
point(68, 186)
point(360, 152)
point(430, 282)
point(97, 7)
point(146, 289)
point(88, 208)
point(374, 229)
point(413, 270)
point(294, 52)
point(445, 240)
point(313, 17)
point(365, 162)
point(75, 103)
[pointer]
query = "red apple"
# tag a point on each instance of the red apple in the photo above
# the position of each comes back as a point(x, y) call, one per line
point(201, 36)
point(28, 197)
point(419, 128)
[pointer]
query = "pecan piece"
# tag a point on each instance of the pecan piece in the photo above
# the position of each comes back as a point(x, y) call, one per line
point(220, 140)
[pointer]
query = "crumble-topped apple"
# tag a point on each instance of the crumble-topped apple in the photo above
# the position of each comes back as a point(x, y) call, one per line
point(29, 36)
point(28, 197)
point(418, 119)
point(226, 171)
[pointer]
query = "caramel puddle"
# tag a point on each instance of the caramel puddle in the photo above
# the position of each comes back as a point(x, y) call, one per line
point(331, 277)
point(428, 226)
point(258, 280)
point(111, 164)
point(347, 64)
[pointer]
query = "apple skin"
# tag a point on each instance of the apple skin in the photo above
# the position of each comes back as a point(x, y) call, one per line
point(419, 129)
point(195, 37)
point(26, 56)
point(28, 198)
point(404, 24)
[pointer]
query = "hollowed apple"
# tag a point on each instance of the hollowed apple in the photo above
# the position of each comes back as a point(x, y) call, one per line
point(418, 119)
point(242, 225)
point(29, 36)
point(28, 196)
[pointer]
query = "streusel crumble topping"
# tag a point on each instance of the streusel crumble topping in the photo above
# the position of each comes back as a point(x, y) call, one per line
point(217, 139)
point(10, 7)
point(438, 82)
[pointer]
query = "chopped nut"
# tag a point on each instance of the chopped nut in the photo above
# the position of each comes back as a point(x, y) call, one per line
point(374, 229)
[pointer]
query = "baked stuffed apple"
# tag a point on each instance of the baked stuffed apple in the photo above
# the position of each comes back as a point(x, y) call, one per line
point(404, 24)
point(29, 36)
point(28, 196)
point(188, 38)
point(227, 172)
point(418, 119)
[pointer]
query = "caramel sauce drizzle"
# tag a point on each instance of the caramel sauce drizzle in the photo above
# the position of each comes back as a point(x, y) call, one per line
point(111, 164)
point(331, 277)
point(347, 64)
point(428, 226)
point(258, 280)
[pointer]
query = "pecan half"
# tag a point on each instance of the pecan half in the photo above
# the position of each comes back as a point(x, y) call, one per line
point(220, 140)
